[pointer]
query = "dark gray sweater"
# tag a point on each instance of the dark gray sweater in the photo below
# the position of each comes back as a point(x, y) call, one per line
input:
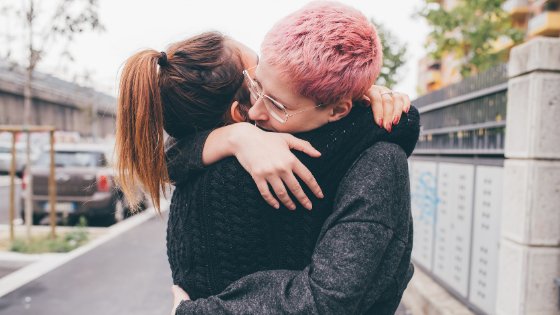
point(361, 261)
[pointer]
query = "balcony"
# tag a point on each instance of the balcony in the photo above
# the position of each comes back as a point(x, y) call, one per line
point(545, 24)
point(517, 8)
point(502, 43)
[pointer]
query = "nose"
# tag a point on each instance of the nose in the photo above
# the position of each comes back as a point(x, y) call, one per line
point(258, 111)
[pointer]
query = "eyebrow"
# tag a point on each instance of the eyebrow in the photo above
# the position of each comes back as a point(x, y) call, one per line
point(270, 95)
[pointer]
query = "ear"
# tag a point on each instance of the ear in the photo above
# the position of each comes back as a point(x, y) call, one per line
point(340, 110)
point(234, 112)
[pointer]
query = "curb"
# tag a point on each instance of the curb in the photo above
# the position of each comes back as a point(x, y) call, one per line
point(49, 262)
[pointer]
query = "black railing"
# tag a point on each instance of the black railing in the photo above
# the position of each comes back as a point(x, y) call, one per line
point(492, 77)
point(467, 118)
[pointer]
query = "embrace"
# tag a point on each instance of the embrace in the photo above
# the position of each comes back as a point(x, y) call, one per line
point(289, 197)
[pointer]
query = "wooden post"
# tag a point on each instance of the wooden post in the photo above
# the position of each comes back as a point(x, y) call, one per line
point(52, 184)
point(12, 186)
point(52, 189)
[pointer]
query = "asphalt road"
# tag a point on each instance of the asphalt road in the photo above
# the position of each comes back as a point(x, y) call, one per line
point(127, 275)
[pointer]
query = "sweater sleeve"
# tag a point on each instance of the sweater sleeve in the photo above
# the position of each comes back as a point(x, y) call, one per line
point(406, 132)
point(357, 241)
point(184, 156)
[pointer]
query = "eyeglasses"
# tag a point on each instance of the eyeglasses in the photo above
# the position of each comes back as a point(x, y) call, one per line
point(274, 108)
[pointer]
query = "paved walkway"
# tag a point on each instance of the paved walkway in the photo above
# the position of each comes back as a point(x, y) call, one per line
point(127, 275)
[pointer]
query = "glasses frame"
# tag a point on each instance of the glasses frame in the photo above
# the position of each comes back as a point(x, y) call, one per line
point(254, 88)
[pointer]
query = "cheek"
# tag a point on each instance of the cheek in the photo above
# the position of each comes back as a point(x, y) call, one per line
point(317, 117)
point(305, 122)
point(252, 113)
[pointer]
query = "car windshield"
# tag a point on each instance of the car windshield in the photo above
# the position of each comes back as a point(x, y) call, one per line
point(73, 159)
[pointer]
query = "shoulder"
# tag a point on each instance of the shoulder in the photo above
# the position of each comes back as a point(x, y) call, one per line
point(380, 157)
point(385, 150)
point(382, 166)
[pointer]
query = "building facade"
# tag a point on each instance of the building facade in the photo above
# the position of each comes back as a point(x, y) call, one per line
point(64, 105)
point(534, 17)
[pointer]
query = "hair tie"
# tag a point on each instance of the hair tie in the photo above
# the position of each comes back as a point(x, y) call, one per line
point(162, 60)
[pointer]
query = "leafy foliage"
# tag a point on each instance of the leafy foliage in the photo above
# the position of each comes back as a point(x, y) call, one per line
point(394, 56)
point(468, 31)
point(46, 27)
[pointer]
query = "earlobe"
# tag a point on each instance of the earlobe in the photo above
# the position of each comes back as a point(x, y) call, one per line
point(340, 110)
point(234, 112)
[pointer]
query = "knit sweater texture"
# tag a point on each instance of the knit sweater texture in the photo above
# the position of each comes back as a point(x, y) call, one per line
point(361, 261)
point(220, 229)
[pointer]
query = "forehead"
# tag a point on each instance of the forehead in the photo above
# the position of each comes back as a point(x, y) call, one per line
point(276, 85)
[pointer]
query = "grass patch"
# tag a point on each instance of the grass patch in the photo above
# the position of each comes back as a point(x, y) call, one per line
point(61, 244)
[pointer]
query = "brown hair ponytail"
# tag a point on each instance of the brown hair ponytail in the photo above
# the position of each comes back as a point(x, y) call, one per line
point(192, 90)
point(139, 133)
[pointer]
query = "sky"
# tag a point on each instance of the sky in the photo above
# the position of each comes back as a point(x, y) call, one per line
point(135, 25)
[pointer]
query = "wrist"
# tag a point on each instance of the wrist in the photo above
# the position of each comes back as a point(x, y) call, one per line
point(236, 136)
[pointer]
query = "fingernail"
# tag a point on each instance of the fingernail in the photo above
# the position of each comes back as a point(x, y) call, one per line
point(389, 128)
point(381, 122)
point(321, 195)
point(292, 207)
point(396, 120)
point(277, 206)
point(407, 110)
point(308, 205)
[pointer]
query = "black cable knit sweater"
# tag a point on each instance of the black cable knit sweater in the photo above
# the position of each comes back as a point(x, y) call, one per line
point(220, 229)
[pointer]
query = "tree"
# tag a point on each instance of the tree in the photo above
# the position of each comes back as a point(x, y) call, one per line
point(394, 56)
point(43, 30)
point(468, 31)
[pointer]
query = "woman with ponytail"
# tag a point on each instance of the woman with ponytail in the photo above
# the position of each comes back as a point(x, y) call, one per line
point(188, 89)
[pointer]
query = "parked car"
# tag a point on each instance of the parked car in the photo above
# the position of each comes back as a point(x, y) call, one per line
point(6, 157)
point(84, 184)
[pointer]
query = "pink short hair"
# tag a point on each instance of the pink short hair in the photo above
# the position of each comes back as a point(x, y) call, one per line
point(328, 50)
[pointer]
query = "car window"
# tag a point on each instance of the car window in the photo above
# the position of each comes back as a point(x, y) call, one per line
point(73, 159)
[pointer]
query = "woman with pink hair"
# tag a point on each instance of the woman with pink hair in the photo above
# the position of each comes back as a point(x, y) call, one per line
point(351, 253)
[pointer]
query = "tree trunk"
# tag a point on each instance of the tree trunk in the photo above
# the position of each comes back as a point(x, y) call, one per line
point(27, 97)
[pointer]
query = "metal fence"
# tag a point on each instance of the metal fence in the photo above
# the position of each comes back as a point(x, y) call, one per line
point(456, 186)
point(465, 118)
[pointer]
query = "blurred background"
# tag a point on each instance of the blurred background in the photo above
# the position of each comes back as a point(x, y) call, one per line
point(485, 176)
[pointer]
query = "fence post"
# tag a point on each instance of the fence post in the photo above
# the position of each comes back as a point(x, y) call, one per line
point(529, 259)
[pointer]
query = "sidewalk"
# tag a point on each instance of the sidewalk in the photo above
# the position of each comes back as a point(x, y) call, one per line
point(128, 274)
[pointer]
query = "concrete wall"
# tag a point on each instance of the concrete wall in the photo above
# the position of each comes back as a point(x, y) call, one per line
point(530, 240)
point(487, 238)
